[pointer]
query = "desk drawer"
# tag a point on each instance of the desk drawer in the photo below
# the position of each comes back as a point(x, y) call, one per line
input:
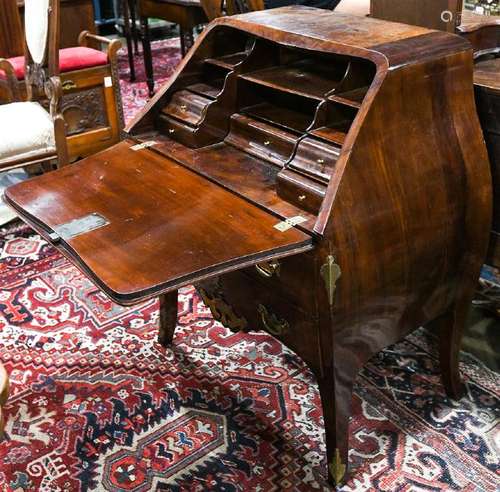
point(292, 277)
point(240, 303)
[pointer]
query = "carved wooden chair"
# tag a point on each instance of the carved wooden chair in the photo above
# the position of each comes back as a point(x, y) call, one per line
point(91, 100)
point(186, 13)
point(30, 134)
point(434, 14)
point(218, 8)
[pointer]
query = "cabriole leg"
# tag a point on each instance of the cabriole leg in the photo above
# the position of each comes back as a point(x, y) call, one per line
point(336, 398)
point(450, 327)
point(168, 318)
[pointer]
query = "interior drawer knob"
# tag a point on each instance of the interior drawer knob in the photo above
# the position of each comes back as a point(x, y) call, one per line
point(268, 268)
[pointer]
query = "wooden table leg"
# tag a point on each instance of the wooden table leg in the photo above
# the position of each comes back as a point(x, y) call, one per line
point(4, 393)
point(187, 38)
point(168, 318)
point(128, 38)
point(148, 58)
point(133, 18)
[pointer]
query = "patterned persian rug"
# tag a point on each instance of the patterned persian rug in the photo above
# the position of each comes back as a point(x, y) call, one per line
point(166, 56)
point(98, 405)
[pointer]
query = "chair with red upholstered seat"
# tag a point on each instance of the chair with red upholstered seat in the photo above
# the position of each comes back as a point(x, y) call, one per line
point(91, 100)
point(70, 59)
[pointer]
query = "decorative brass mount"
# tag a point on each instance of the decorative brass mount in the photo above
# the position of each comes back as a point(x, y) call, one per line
point(330, 272)
point(222, 311)
point(271, 322)
point(68, 85)
point(268, 268)
point(337, 468)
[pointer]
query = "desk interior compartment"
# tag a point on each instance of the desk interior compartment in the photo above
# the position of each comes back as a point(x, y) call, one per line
point(301, 72)
point(287, 110)
point(335, 122)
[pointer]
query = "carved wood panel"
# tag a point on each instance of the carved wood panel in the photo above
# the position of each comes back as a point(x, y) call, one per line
point(84, 110)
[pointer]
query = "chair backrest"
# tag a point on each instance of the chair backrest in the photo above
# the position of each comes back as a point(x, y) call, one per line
point(218, 8)
point(11, 30)
point(213, 8)
point(241, 6)
point(444, 15)
point(353, 7)
point(41, 27)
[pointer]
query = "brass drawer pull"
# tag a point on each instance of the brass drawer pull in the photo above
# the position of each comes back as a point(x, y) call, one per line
point(68, 85)
point(272, 323)
point(267, 269)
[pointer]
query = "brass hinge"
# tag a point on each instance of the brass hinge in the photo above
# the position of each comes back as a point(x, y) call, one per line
point(337, 468)
point(330, 272)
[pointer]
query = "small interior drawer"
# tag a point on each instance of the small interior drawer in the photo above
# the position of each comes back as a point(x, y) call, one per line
point(176, 130)
point(187, 107)
point(315, 159)
point(300, 190)
point(261, 139)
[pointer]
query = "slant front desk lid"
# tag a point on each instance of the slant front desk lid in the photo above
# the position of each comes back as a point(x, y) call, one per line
point(141, 224)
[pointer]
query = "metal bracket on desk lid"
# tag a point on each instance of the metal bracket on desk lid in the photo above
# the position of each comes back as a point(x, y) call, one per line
point(143, 145)
point(78, 226)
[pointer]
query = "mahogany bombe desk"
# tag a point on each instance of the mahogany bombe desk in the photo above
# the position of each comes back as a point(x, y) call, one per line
point(319, 176)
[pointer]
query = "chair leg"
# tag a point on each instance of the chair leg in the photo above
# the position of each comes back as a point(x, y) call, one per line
point(128, 37)
point(182, 38)
point(61, 141)
point(148, 59)
point(187, 38)
point(168, 318)
point(133, 18)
